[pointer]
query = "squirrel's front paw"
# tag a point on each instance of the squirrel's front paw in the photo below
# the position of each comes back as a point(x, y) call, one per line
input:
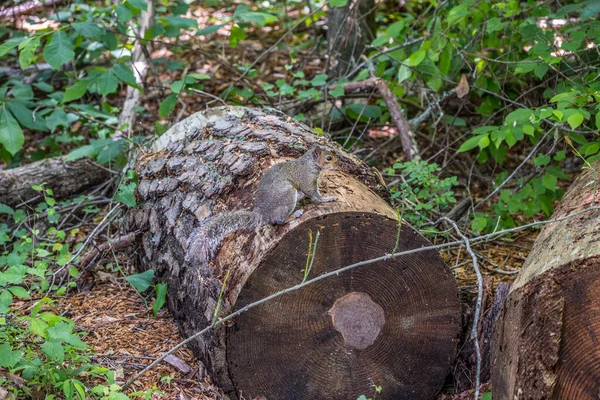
point(328, 199)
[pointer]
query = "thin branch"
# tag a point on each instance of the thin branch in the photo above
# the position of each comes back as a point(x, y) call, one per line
point(474, 333)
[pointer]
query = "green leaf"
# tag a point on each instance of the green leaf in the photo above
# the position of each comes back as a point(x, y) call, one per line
point(180, 22)
point(598, 120)
point(259, 18)
point(107, 82)
point(11, 134)
point(380, 40)
point(124, 14)
point(83, 151)
point(10, 44)
point(520, 115)
point(76, 91)
point(4, 209)
point(161, 296)
point(20, 292)
point(125, 75)
point(338, 3)
point(167, 105)
point(487, 396)
point(471, 143)
point(237, 35)
point(416, 58)
point(542, 160)
point(541, 70)
point(142, 281)
point(38, 326)
point(27, 53)
point(495, 24)
point(126, 194)
point(8, 358)
point(319, 80)
point(59, 50)
point(57, 118)
point(89, 29)
point(338, 91)
point(549, 181)
point(575, 120)
point(445, 60)
point(54, 350)
point(62, 332)
point(139, 4)
point(404, 73)
point(210, 29)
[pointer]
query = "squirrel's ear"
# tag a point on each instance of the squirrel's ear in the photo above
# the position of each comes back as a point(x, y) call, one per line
point(316, 150)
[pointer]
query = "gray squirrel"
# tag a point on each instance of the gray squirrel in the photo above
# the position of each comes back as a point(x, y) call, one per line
point(279, 189)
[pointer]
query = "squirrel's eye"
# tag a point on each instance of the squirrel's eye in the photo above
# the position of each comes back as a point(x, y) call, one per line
point(328, 158)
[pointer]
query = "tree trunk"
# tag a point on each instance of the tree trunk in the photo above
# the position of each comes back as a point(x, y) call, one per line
point(349, 30)
point(393, 323)
point(63, 177)
point(546, 339)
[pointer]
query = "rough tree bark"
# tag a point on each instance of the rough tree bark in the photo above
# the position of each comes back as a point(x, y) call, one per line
point(393, 323)
point(546, 339)
point(349, 30)
point(64, 177)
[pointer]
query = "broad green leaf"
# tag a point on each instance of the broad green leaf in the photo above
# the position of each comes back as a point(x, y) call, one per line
point(20, 292)
point(598, 120)
point(210, 29)
point(495, 24)
point(38, 326)
point(126, 194)
point(542, 160)
point(237, 35)
point(167, 105)
point(575, 120)
point(520, 115)
point(125, 75)
point(59, 50)
point(404, 73)
point(54, 350)
point(471, 143)
point(4, 209)
point(259, 18)
point(75, 91)
point(107, 82)
point(124, 14)
point(27, 53)
point(549, 181)
point(380, 40)
point(180, 22)
point(338, 91)
point(62, 332)
point(89, 29)
point(445, 59)
point(416, 58)
point(57, 118)
point(139, 4)
point(200, 77)
point(319, 80)
point(338, 3)
point(394, 29)
point(9, 358)
point(161, 296)
point(83, 151)
point(11, 134)
point(541, 70)
point(142, 281)
point(10, 44)
point(487, 396)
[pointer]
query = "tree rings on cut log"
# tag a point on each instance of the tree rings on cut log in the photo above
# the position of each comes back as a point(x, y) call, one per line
point(546, 341)
point(393, 323)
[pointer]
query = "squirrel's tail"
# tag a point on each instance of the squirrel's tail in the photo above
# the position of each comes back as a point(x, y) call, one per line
point(205, 240)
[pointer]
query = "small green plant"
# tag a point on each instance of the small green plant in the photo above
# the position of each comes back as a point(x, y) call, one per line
point(363, 397)
point(141, 282)
point(420, 192)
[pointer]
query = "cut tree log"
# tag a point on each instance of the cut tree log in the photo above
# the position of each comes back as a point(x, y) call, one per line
point(393, 323)
point(63, 177)
point(545, 342)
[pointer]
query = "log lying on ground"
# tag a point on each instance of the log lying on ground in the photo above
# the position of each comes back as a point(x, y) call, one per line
point(63, 177)
point(392, 323)
point(546, 340)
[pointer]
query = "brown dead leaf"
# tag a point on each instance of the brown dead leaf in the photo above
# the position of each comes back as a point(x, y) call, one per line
point(462, 89)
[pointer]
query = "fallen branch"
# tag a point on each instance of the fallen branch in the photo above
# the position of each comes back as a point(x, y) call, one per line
point(407, 137)
point(27, 8)
point(117, 244)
